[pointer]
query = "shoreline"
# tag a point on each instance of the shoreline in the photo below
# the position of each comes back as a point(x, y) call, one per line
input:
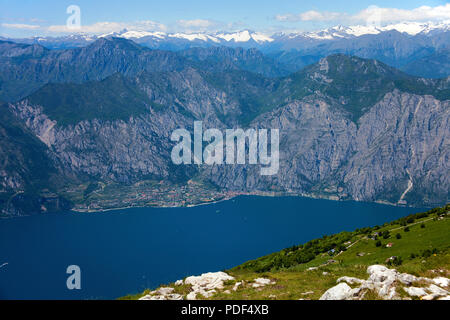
point(257, 194)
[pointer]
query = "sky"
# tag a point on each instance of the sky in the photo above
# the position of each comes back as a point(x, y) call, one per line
point(24, 18)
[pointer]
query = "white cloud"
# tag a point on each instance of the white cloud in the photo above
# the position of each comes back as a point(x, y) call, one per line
point(108, 27)
point(20, 26)
point(382, 15)
point(424, 13)
point(311, 15)
point(197, 23)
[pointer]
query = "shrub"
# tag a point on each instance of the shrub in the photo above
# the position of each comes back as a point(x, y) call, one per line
point(406, 229)
point(426, 253)
point(378, 243)
point(422, 225)
point(398, 236)
point(396, 261)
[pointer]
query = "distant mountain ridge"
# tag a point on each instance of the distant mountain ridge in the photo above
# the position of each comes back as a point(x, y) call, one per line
point(398, 45)
point(248, 36)
point(25, 68)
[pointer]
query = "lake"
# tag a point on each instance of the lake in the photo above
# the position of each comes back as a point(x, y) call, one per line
point(126, 251)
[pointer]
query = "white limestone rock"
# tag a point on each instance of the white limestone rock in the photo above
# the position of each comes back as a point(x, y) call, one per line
point(350, 280)
point(162, 294)
point(237, 285)
point(342, 291)
point(164, 291)
point(437, 291)
point(261, 282)
point(206, 284)
point(415, 292)
point(442, 282)
point(209, 281)
point(191, 296)
point(407, 279)
point(382, 280)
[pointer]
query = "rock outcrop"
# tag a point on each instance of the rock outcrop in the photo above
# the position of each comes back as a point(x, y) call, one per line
point(387, 283)
point(164, 293)
point(204, 286)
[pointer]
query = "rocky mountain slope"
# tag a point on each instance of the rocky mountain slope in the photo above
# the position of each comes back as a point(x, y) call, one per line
point(430, 66)
point(350, 128)
point(23, 69)
point(27, 172)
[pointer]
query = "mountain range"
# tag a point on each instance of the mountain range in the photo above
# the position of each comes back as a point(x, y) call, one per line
point(89, 123)
point(416, 48)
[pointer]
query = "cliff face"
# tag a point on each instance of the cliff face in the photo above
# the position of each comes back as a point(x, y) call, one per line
point(349, 129)
point(26, 171)
point(402, 139)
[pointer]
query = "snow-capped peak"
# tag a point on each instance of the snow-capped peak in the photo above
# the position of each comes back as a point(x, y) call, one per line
point(414, 28)
point(411, 28)
point(241, 36)
point(194, 36)
point(141, 34)
point(244, 36)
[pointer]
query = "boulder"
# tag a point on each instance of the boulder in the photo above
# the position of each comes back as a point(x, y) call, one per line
point(209, 281)
point(415, 292)
point(236, 285)
point(350, 280)
point(261, 282)
point(437, 291)
point(162, 295)
point(382, 280)
point(206, 284)
point(191, 296)
point(163, 291)
point(340, 292)
point(442, 282)
point(407, 279)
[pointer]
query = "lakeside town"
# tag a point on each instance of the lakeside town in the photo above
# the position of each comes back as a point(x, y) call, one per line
point(100, 196)
point(147, 194)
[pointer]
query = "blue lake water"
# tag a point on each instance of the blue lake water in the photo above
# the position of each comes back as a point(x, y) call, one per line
point(126, 251)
